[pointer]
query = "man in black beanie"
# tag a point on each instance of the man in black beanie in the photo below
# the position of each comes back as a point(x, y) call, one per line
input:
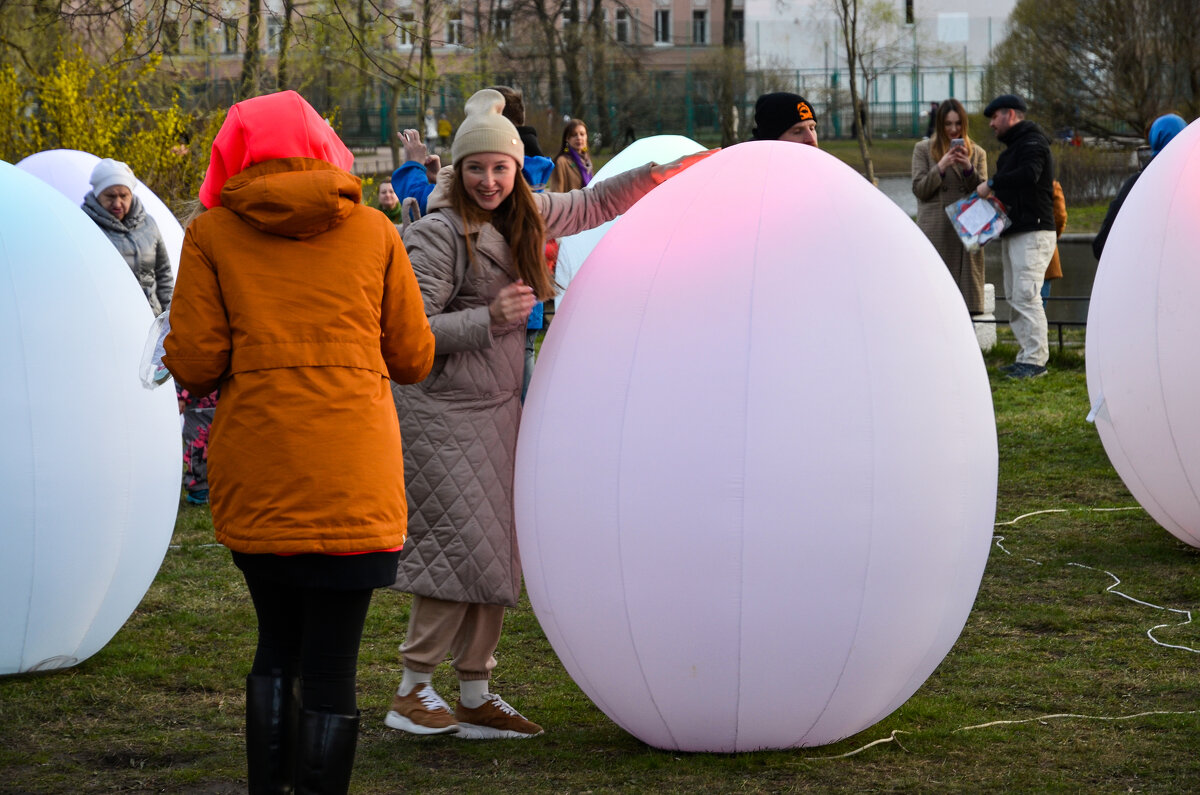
point(784, 117)
point(1024, 183)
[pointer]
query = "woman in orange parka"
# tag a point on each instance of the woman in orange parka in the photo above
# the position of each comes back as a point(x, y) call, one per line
point(299, 303)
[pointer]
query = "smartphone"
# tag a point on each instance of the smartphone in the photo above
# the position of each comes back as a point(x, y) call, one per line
point(956, 142)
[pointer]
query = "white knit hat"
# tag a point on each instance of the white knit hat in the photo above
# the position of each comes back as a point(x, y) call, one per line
point(109, 172)
point(486, 130)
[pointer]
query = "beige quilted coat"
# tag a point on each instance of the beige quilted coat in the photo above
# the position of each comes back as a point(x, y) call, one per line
point(934, 192)
point(459, 425)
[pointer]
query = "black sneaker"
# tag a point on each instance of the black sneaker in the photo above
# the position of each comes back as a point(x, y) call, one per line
point(1026, 370)
point(1008, 368)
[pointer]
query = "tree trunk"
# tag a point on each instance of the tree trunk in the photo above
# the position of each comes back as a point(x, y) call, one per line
point(393, 140)
point(248, 85)
point(725, 98)
point(555, 86)
point(600, 76)
point(848, 10)
point(570, 57)
point(285, 37)
point(425, 75)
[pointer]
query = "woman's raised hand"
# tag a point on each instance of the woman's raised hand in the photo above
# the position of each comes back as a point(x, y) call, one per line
point(661, 173)
point(512, 304)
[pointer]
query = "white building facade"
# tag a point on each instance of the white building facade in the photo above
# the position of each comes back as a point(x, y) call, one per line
point(941, 53)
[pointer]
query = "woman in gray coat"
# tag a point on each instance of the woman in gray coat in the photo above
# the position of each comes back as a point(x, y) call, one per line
point(479, 260)
point(121, 216)
point(945, 168)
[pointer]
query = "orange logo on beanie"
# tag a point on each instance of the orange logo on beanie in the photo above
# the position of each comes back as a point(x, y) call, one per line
point(804, 111)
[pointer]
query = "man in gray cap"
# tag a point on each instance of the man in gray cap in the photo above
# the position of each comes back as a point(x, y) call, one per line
point(1024, 183)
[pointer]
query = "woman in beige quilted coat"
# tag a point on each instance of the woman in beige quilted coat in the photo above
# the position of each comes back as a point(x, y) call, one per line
point(943, 173)
point(479, 261)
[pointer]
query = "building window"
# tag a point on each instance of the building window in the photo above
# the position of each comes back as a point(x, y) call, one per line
point(662, 26)
point(229, 34)
point(454, 28)
point(274, 33)
point(739, 26)
point(622, 30)
point(503, 23)
point(406, 31)
point(199, 36)
point(170, 36)
point(699, 27)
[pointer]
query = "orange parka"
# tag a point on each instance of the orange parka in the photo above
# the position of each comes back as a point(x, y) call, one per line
point(298, 303)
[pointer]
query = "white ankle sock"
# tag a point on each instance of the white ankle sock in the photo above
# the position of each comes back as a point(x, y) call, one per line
point(411, 679)
point(471, 692)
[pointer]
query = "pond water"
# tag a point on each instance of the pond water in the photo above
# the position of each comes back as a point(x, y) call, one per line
point(1079, 266)
point(899, 190)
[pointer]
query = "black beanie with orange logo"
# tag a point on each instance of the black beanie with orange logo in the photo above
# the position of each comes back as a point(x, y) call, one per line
point(775, 114)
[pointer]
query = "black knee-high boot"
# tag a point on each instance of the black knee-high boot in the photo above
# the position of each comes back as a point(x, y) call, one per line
point(327, 744)
point(272, 733)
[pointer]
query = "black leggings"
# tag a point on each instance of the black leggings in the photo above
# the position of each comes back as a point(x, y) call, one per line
point(312, 633)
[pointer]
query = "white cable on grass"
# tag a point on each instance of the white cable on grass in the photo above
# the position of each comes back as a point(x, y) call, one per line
point(1039, 719)
point(889, 739)
point(1044, 718)
point(1149, 632)
point(1068, 510)
point(1004, 549)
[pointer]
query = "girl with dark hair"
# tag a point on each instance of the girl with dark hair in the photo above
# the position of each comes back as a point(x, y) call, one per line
point(946, 167)
point(572, 165)
point(479, 256)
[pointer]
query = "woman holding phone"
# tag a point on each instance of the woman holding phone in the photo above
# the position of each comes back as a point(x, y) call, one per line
point(945, 168)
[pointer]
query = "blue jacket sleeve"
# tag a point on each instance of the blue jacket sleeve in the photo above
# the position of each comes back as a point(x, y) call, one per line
point(536, 171)
point(410, 180)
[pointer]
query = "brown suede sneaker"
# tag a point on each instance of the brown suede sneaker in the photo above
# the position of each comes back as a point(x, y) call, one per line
point(421, 712)
point(493, 720)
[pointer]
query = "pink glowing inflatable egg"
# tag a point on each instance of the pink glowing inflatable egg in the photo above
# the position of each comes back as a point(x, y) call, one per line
point(1142, 328)
point(756, 473)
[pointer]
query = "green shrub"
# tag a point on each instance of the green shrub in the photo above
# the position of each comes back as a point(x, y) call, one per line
point(1091, 175)
point(110, 111)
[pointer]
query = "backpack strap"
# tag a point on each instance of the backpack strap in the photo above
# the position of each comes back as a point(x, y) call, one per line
point(410, 211)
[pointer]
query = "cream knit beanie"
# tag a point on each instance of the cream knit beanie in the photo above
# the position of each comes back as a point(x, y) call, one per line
point(486, 130)
point(109, 172)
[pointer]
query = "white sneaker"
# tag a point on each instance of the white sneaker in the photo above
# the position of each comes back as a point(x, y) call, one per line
point(421, 712)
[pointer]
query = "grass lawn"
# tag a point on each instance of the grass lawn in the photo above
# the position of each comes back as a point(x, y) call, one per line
point(1053, 686)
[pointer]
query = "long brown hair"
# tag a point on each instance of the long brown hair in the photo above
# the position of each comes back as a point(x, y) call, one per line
point(518, 221)
point(941, 141)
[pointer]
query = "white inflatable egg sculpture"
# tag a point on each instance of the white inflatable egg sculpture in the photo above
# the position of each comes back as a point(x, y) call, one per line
point(756, 472)
point(573, 250)
point(89, 459)
point(1143, 324)
point(68, 172)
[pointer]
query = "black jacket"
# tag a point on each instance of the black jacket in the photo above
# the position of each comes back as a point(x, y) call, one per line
point(1113, 208)
point(1024, 178)
point(529, 138)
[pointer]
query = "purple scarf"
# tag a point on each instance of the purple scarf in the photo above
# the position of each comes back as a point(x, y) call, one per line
point(583, 170)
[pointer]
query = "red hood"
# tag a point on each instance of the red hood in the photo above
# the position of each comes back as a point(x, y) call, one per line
point(268, 128)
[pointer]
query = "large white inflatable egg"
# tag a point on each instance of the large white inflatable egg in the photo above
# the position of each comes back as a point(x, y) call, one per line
point(756, 472)
point(68, 172)
point(1143, 324)
point(89, 459)
point(573, 250)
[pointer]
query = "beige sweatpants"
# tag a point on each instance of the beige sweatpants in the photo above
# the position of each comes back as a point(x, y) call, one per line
point(467, 631)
